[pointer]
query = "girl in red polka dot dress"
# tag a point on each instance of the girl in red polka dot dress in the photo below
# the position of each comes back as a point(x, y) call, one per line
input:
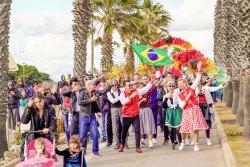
point(192, 117)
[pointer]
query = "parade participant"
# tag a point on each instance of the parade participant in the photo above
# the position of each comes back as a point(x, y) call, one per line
point(136, 77)
point(162, 90)
point(40, 150)
point(87, 101)
point(147, 123)
point(153, 106)
point(192, 118)
point(13, 106)
point(130, 111)
point(116, 109)
point(173, 112)
point(73, 156)
point(160, 93)
point(20, 85)
point(205, 103)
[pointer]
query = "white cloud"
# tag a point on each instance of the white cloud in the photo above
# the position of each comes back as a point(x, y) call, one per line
point(194, 22)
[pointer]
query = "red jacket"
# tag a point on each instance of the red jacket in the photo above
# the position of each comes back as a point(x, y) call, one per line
point(193, 100)
point(131, 109)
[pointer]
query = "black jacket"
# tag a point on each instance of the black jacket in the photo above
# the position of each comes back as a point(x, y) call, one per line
point(73, 97)
point(88, 108)
point(13, 100)
point(49, 120)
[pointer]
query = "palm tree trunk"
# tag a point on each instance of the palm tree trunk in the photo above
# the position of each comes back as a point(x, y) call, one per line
point(80, 27)
point(229, 101)
point(246, 102)
point(107, 51)
point(240, 110)
point(130, 65)
point(4, 54)
point(236, 86)
point(225, 93)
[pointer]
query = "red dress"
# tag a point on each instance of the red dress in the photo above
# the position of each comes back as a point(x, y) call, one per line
point(192, 117)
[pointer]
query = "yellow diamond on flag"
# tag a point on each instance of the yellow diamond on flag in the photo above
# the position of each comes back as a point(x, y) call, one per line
point(151, 55)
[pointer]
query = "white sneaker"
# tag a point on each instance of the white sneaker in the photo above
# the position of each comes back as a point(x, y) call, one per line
point(187, 142)
point(150, 143)
point(154, 141)
point(182, 146)
point(192, 143)
point(196, 147)
point(209, 143)
point(143, 141)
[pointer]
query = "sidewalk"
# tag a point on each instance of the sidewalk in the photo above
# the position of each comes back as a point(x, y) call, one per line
point(160, 156)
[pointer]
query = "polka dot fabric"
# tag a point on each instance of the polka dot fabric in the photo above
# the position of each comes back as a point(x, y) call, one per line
point(193, 119)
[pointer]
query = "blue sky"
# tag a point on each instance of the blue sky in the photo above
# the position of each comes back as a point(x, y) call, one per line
point(35, 21)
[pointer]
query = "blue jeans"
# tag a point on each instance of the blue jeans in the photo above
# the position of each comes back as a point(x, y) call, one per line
point(104, 124)
point(66, 126)
point(89, 124)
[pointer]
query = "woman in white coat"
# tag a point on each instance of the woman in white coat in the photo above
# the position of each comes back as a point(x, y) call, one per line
point(205, 103)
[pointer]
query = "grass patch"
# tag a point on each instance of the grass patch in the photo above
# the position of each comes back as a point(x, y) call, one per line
point(234, 132)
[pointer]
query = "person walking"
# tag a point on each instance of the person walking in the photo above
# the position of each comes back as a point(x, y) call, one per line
point(130, 111)
point(88, 107)
point(173, 112)
point(192, 117)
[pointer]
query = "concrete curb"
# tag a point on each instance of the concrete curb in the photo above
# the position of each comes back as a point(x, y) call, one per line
point(15, 161)
point(227, 152)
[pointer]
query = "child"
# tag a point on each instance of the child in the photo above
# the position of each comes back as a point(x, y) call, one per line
point(73, 156)
point(23, 102)
point(40, 150)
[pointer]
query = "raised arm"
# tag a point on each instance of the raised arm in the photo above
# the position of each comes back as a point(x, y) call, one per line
point(100, 92)
point(214, 89)
point(145, 89)
point(82, 101)
point(198, 77)
point(196, 81)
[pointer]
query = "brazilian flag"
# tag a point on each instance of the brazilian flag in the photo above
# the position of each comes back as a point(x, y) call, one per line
point(152, 56)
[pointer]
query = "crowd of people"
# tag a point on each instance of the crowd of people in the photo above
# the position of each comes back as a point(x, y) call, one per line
point(180, 106)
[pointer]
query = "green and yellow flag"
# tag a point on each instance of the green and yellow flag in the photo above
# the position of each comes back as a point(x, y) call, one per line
point(152, 56)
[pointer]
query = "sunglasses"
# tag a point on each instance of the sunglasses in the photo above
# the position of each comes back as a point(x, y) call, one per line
point(115, 85)
point(171, 86)
point(130, 85)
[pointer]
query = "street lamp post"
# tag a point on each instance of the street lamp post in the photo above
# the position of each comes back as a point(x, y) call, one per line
point(23, 73)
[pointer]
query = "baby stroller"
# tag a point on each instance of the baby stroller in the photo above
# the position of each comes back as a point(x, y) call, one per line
point(29, 150)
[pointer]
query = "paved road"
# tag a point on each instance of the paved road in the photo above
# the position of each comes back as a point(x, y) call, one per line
point(160, 156)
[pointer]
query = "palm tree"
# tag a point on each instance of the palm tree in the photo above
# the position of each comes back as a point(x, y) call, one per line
point(155, 22)
point(111, 14)
point(82, 12)
point(151, 24)
point(4, 54)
